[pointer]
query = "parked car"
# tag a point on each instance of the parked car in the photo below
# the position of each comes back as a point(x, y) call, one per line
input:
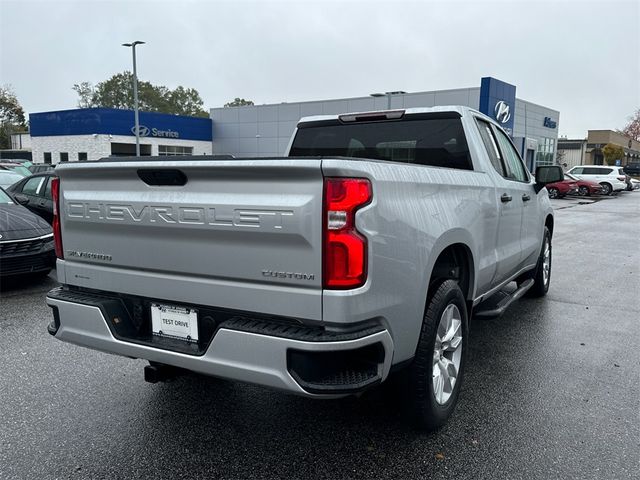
point(632, 169)
point(585, 187)
point(562, 188)
point(15, 167)
point(34, 192)
point(26, 241)
point(19, 161)
point(316, 273)
point(9, 177)
point(610, 178)
point(41, 168)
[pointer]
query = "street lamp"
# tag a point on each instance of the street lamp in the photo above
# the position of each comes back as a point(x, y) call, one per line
point(388, 95)
point(135, 92)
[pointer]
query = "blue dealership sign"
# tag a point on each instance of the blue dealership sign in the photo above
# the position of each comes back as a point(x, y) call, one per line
point(498, 101)
point(113, 121)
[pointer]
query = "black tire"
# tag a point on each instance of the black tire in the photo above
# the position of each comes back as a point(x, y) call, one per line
point(420, 403)
point(541, 285)
point(607, 189)
point(583, 191)
point(553, 192)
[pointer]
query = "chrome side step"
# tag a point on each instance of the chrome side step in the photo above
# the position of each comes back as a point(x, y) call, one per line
point(491, 308)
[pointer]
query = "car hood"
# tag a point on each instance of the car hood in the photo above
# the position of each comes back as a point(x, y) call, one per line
point(16, 222)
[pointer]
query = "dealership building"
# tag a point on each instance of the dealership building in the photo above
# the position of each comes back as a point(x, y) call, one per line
point(265, 130)
point(94, 133)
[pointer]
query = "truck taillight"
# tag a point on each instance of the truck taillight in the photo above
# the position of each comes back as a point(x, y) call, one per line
point(57, 232)
point(345, 249)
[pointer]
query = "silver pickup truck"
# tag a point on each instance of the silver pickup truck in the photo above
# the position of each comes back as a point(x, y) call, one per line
point(359, 256)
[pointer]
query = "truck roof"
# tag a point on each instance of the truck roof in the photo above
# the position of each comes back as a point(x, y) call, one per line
point(462, 110)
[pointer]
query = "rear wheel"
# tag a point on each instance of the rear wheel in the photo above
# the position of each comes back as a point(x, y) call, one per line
point(432, 381)
point(606, 188)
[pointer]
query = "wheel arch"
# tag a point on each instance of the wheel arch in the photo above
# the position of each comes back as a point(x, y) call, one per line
point(453, 259)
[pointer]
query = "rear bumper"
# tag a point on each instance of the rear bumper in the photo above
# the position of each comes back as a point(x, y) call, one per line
point(303, 361)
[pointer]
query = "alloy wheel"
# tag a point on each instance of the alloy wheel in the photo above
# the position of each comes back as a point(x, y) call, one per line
point(546, 262)
point(447, 353)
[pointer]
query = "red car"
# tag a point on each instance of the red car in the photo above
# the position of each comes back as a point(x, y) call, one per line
point(585, 187)
point(560, 189)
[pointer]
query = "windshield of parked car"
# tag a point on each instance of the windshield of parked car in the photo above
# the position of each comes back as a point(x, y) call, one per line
point(8, 178)
point(435, 140)
point(24, 171)
point(5, 199)
point(568, 176)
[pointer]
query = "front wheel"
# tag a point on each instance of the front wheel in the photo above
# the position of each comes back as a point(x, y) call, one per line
point(435, 376)
point(542, 273)
point(553, 192)
point(583, 191)
point(606, 188)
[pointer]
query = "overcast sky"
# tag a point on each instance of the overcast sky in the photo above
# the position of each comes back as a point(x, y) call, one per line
point(581, 58)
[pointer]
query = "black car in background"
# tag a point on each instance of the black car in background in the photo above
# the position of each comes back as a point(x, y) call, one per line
point(26, 241)
point(34, 192)
point(632, 169)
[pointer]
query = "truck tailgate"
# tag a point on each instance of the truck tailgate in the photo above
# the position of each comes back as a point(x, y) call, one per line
point(241, 234)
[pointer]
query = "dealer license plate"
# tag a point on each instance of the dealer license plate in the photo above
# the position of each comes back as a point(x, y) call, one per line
point(174, 321)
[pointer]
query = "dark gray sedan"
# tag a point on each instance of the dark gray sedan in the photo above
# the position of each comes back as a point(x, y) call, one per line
point(26, 241)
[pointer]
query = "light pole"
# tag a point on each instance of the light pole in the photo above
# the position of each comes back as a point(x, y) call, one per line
point(388, 95)
point(135, 93)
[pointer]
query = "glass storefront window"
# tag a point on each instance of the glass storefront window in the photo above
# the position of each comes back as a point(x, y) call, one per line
point(546, 147)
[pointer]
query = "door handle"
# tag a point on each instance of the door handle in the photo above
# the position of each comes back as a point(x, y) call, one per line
point(525, 197)
point(505, 198)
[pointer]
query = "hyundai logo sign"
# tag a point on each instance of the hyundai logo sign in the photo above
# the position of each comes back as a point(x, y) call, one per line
point(154, 132)
point(549, 122)
point(502, 111)
point(142, 131)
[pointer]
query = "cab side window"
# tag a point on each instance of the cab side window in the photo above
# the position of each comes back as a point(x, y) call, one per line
point(515, 167)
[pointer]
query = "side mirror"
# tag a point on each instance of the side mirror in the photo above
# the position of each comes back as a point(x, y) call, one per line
point(548, 174)
point(21, 199)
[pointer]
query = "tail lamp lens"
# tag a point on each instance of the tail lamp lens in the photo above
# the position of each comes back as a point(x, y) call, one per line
point(345, 249)
point(57, 232)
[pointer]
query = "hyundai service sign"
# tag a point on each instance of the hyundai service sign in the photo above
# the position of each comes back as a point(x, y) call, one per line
point(498, 100)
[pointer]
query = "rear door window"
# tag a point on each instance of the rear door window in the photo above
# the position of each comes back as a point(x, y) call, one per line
point(32, 186)
point(436, 140)
point(491, 146)
point(515, 168)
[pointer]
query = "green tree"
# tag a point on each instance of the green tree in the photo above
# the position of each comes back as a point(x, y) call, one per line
point(85, 94)
point(11, 116)
point(238, 102)
point(612, 153)
point(117, 92)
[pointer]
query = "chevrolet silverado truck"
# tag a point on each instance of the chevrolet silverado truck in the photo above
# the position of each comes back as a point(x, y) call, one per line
point(358, 257)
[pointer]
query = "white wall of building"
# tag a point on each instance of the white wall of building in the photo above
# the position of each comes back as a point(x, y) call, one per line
point(99, 146)
point(20, 141)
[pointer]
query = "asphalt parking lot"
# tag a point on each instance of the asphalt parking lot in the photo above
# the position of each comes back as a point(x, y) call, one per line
point(552, 390)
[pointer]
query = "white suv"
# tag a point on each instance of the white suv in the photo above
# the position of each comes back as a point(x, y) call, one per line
point(612, 179)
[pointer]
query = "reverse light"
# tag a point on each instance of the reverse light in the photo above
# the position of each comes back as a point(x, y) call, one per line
point(345, 249)
point(57, 231)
